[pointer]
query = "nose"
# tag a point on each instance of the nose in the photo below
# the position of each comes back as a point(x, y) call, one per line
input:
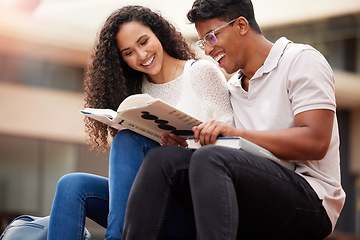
point(141, 54)
point(208, 49)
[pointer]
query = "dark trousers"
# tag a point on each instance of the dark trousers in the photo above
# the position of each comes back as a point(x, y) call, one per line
point(232, 194)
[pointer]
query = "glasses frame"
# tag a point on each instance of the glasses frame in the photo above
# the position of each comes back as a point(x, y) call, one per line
point(201, 43)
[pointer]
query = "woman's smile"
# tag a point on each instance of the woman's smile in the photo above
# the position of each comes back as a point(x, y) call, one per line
point(149, 62)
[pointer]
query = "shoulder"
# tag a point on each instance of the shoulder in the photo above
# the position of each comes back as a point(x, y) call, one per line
point(297, 50)
point(304, 60)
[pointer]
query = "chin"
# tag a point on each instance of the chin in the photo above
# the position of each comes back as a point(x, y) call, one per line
point(229, 71)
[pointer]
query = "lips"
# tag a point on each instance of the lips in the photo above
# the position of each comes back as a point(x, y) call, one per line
point(219, 56)
point(149, 61)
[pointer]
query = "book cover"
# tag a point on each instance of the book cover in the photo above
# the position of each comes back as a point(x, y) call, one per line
point(241, 143)
point(147, 116)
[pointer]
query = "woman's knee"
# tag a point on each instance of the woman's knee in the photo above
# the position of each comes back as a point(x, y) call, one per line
point(68, 180)
point(124, 135)
point(76, 182)
point(129, 140)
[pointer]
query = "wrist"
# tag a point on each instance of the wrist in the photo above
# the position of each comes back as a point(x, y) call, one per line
point(239, 133)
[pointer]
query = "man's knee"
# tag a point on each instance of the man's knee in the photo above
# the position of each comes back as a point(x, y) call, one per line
point(213, 158)
point(166, 158)
point(218, 155)
point(207, 155)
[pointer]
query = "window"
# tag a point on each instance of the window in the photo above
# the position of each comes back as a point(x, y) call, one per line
point(40, 74)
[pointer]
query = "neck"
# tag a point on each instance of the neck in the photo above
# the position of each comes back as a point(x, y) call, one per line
point(245, 82)
point(259, 50)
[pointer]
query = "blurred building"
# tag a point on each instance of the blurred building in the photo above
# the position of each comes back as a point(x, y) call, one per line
point(42, 132)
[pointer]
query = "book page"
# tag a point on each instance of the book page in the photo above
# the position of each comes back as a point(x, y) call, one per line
point(109, 113)
point(106, 120)
point(134, 101)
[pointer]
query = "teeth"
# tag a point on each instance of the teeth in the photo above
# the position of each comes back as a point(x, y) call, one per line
point(219, 56)
point(149, 61)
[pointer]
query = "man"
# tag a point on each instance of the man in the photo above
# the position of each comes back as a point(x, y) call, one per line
point(283, 99)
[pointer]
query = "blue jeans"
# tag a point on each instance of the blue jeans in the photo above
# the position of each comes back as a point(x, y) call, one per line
point(78, 195)
point(81, 195)
point(234, 195)
point(126, 156)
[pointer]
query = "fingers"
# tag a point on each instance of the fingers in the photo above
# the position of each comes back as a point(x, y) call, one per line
point(207, 132)
point(197, 130)
point(172, 139)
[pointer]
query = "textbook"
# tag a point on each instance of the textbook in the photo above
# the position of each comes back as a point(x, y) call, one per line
point(241, 143)
point(147, 116)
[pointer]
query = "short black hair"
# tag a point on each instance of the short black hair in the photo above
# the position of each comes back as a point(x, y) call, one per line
point(226, 10)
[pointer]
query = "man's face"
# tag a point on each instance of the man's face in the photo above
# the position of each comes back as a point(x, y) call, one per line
point(225, 50)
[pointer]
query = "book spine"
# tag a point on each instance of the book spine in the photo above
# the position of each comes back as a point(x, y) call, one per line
point(140, 130)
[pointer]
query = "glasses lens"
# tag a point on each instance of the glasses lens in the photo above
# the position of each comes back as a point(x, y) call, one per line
point(200, 44)
point(210, 39)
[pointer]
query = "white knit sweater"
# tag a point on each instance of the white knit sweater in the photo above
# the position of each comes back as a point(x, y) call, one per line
point(201, 91)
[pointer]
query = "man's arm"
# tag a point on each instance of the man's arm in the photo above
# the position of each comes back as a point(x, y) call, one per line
point(308, 140)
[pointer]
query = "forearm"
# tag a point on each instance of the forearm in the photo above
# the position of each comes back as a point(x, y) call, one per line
point(309, 139)
point(298, 143)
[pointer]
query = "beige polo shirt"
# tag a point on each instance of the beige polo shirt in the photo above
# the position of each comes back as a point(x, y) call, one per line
point(294, 78)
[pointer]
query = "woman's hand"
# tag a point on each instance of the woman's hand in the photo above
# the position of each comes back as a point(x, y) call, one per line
point(172, 139)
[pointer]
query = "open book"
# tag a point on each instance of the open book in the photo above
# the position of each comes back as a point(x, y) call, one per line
point(241, 143)
point(147, 116)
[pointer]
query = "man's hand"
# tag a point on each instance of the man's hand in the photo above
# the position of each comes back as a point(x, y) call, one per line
point(172, 139)
point(208, 132)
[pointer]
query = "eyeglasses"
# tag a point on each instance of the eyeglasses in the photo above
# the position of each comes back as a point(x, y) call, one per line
point(210, 38)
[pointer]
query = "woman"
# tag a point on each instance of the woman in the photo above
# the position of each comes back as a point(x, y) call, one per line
point(138, 51)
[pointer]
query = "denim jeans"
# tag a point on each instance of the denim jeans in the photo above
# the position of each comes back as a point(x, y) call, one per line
point(127, 153)
point(80, 195)
point(234, 194)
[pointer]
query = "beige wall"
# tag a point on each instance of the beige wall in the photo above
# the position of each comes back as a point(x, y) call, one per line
point(355, 141)
point(347, 89)
point(41, 113)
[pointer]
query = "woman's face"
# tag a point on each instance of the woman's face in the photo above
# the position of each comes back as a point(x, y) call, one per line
point(140, 48)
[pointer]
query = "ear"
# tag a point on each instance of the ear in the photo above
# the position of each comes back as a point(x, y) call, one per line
point(242, 25)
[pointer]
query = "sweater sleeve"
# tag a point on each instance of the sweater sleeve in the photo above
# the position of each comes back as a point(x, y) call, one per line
point(210, 85)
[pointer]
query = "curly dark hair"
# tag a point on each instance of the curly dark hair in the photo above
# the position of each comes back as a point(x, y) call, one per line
point(109, 80)
point(226, 10)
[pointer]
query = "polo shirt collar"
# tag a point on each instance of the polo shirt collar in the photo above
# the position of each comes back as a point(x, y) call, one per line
point(270, 63)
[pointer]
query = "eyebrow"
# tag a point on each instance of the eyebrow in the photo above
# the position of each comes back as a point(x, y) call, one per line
point(211, 31)
point(139, 39)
